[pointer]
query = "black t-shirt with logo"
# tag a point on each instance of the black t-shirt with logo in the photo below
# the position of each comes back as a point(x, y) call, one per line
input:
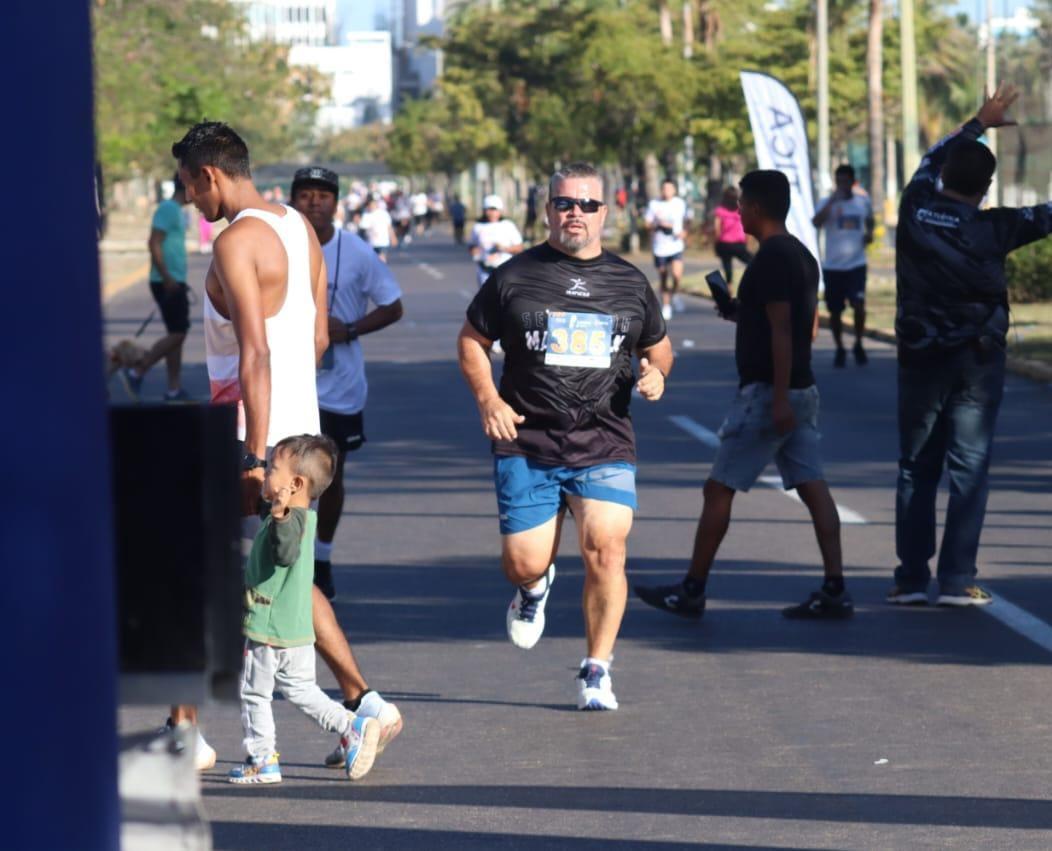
point(782, 270)
point(568, 328)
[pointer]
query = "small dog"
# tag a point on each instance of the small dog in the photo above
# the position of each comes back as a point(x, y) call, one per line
point(125, 354)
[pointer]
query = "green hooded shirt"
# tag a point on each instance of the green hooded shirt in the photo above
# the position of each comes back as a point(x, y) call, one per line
point(278, 581)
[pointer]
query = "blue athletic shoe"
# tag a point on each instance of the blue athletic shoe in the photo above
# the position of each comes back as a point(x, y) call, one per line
point(595, 689)
point(361, 747)
point(251, 772)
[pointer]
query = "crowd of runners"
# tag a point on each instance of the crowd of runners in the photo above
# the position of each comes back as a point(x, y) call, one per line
point(290, 292)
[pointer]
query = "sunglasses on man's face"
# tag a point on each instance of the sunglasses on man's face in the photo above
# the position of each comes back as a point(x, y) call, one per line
point(563, 204)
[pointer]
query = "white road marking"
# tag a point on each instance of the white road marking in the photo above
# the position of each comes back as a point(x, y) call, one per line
point(431, 271)
point(848, 516)
point(1021, 621)
point(697, 430)
point(712, 440)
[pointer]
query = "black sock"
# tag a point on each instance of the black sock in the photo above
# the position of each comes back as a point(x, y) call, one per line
point(353, 705)
point(833, 586)
point(694, 587)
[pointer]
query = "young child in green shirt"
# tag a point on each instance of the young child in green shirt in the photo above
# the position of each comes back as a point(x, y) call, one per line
point(279, 634)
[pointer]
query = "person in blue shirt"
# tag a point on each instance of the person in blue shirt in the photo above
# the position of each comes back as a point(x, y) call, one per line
point(170, 291)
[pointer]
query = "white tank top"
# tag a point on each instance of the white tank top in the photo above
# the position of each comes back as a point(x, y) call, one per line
point(290, 338)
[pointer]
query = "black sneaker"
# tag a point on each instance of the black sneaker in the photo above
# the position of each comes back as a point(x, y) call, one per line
point(840, 358)
point(672, 598)
point(323, 577)
point(822, 606)
point(861, 358)
point(973, 595)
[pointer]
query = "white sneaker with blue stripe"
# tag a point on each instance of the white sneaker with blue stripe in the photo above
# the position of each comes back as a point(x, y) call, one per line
point(526, 613)
point(361, 747)
point(595, 689)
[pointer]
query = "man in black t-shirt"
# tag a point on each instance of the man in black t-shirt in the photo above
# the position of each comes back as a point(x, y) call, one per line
point(775, 412)
point(569, 317)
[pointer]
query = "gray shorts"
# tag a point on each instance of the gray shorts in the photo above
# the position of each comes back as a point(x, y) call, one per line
point(748, 440)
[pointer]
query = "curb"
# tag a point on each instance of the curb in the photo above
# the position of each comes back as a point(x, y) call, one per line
point(1034, 370)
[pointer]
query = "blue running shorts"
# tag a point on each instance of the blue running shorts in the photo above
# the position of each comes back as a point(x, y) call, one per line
point(530, 493)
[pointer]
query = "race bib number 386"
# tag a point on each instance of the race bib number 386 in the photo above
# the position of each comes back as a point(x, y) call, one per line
point(579, 339)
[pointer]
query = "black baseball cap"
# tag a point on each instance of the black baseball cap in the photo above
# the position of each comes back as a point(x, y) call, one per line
point(317, 176)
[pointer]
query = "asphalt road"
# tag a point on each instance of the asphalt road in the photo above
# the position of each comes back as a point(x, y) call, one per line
point(899, 729)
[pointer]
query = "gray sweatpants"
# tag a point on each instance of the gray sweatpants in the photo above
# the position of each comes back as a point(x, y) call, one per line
point(292, 670)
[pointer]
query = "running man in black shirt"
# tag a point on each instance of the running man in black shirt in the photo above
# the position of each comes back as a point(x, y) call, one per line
point(776, 410)
point(569, 316)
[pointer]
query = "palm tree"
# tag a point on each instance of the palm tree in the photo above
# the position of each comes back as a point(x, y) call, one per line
point(875, 95)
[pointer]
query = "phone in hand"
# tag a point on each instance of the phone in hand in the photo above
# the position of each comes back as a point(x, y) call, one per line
point(721, 294)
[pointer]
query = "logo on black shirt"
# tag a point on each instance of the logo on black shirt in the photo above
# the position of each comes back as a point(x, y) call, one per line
point(579, 288)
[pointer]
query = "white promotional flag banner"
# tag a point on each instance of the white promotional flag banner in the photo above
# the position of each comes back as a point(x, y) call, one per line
point(781, 144)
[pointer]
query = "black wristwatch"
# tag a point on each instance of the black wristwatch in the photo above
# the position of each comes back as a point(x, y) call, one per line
point(352, 331)
point(252, 462)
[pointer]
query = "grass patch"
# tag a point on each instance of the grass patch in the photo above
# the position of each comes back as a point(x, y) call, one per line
point(1030, 336)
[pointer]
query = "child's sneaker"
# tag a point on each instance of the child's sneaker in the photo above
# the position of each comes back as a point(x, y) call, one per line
point(251, 772)
point(361, 747)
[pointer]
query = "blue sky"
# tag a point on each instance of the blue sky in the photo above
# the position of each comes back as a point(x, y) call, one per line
point(360, 14)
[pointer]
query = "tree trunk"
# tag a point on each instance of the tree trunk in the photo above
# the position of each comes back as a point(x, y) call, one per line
point(666, 23)
point(875, 91)
point(689, 13)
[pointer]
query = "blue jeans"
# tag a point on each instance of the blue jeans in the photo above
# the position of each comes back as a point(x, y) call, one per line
point(947, 412)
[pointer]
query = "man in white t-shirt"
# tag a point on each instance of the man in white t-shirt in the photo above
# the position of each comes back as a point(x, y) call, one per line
point(493, 240)
point(418, 207)
point(847, 217)
point(666, 218)
point(377, 228)
point(356, 277)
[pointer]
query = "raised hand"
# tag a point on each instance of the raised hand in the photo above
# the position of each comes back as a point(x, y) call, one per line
point(993, 112)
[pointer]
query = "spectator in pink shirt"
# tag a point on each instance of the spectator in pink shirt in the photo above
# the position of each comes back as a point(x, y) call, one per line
point(730, 236)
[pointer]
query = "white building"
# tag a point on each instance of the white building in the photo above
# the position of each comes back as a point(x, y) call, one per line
point(420, 66)
point(309, 22)
point(362, 79)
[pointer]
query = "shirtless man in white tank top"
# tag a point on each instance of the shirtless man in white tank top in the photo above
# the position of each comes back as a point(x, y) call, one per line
point(266, 326)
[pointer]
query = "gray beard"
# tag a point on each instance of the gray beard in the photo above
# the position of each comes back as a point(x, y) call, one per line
point(575, 243)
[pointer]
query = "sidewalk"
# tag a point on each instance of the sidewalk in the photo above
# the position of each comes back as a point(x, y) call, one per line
point(124, 258)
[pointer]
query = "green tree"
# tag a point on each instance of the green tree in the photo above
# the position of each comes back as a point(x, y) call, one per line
point(445, 133)
point(163, 65)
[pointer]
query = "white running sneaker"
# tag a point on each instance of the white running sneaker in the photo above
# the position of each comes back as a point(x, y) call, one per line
point(595, 689)
point(678, 304)
point(204, 753)
point(526, 614)
point(666, 312)
point(372, 706)
point(361, 751)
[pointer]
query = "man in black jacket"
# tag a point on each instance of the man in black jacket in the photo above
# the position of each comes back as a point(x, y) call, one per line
point(951, 326)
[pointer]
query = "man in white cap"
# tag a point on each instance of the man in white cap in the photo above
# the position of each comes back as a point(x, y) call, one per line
point(494, 239)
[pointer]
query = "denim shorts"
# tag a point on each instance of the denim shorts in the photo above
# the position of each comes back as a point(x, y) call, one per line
point(748, 440)
point(530, 493)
